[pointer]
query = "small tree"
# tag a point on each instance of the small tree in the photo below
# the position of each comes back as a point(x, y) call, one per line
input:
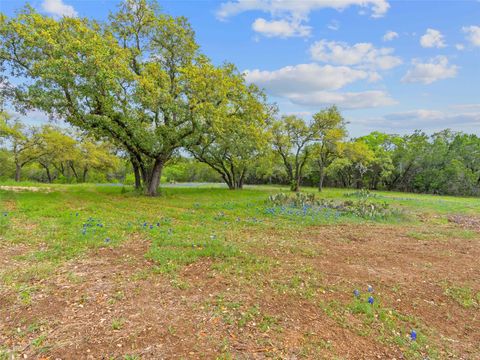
point(236, 134)
point(293, 140)
point(330, 128)
point(24, 143)
point(56, 150)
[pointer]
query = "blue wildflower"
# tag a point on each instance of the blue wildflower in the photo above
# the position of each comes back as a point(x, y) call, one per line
point(413, 335)
point(356, 293)
point(107, 240)
point(151, 227)
point(370, 288)
point(371, 300)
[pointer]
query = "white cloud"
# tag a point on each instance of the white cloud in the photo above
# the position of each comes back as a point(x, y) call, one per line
point(473, 34)
point(432, 38)
point(58, 8)
point(390, 35)
point(460, 47)
point(290, 16)
point(426, 119)
point(314, 85)
point(304, 78)
point(362, 54)
point(280, 28)
point(426, 73)
point(345, 100)
point(297, 9)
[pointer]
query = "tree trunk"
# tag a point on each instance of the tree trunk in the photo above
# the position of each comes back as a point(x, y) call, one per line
point(74, 171)
point(84, 175)
point(49, 176)
point(154, 179)
point(18, 169)
point(320, 180)
point(295, 186)
point(138, 177)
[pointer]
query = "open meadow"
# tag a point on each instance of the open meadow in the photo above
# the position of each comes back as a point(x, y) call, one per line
point(207, 273)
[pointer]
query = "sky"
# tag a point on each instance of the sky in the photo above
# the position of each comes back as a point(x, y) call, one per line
point(391, 66)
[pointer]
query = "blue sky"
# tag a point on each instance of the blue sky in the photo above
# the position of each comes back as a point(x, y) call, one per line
point(392, 66)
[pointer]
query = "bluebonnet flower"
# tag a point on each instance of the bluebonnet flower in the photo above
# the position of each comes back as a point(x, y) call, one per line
point(76, 214)
point(158, 224)
point(5, 214)
point(413, 335)
point(371, 300)
point(144, 224)
point(107, 240)
point(356, 293)
point(151, 227)
point(370, 288)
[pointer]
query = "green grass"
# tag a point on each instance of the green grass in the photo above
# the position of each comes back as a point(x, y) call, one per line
point(193, 223)
point(465, 296)
point(185, 225)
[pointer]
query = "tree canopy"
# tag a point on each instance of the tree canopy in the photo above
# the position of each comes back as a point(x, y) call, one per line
point(139, 79)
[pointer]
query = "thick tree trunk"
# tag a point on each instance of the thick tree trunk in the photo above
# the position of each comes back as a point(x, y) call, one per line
point(138, 176)
point(154, 179)
point(18, 170)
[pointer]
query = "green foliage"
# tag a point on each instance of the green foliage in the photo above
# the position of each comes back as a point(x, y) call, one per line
point(362, 193)
point(138, 80)
point(363, 207)
point(189, 170)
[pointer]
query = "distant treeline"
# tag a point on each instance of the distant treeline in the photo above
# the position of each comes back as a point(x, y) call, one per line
point(446, 162)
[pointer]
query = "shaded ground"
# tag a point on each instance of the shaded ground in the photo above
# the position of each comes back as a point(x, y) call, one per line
point(294, 301)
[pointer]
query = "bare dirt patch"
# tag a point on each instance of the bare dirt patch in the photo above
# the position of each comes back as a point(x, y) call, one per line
point(111, 302)
point(26, 188)
point(408, 275)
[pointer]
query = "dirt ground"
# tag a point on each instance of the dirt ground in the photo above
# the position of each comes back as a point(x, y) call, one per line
point(25, 188)
point(110, 304)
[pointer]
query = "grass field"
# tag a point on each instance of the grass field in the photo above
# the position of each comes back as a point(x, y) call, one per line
point(206, 273)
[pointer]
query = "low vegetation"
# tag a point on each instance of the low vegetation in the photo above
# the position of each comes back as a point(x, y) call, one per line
point(234, 262)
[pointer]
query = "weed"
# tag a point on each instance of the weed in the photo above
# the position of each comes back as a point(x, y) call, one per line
point(463, 295)
point(118, 323)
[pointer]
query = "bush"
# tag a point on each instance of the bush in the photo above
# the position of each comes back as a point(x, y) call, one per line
point(363, 207)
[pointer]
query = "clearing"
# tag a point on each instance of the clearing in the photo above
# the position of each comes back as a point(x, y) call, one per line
point(98, 272)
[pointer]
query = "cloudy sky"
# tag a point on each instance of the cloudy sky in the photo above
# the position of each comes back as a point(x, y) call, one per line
point(392, 66)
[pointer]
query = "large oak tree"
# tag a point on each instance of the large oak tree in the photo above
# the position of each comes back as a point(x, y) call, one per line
point(133, 80)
